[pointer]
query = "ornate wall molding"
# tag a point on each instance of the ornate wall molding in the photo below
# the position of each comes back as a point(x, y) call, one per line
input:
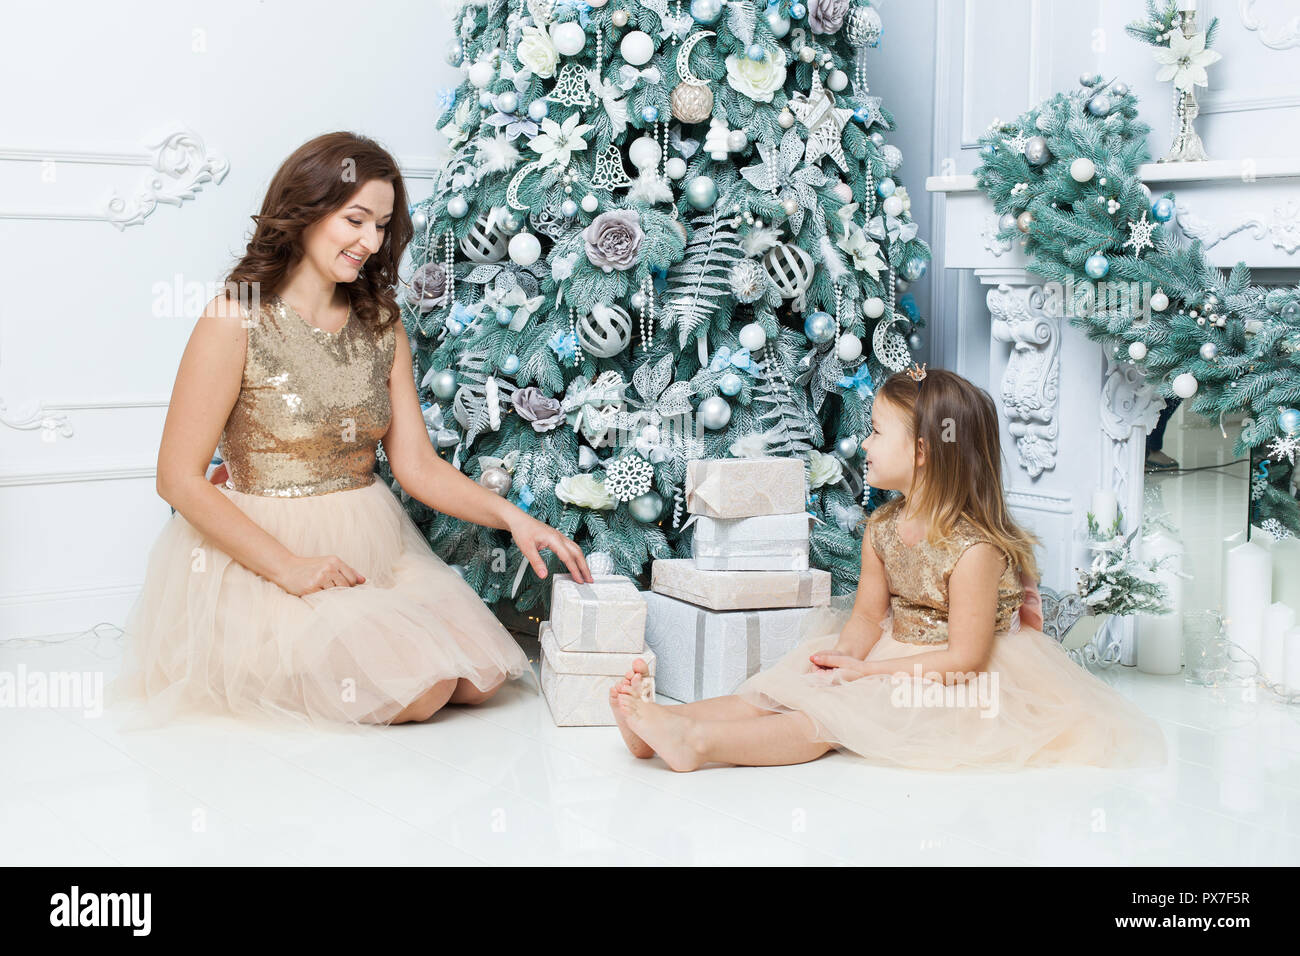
point(180, 165)
point(1282, 229)
point(1274, 37)
point(1031, 384)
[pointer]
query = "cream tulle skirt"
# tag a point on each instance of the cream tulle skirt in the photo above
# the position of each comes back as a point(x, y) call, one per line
point(1032, 707)
point(208, 635)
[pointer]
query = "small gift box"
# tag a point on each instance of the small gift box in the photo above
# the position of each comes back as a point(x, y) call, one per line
point(703, 653)
point(739, 590)
point(745, 487)
point(576, 683)
point(606, 615)
point(761, 543)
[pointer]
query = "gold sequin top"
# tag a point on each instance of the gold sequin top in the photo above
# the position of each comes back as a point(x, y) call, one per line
point(918, 578)
point(312, 406)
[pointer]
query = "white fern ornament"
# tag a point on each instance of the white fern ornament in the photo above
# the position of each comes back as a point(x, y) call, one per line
point(606, 331)
point(791, 270)
point(701, 281)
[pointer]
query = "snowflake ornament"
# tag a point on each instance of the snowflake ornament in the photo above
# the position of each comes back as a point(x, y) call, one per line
point(1276, 528)
point(628, 477)
point(1017, 142)
point(1284, 446)
point(825, 122)
point(1258, 485)
point(1139, 234)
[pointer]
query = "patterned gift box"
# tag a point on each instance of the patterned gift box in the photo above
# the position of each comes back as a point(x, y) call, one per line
point(745, 487)
point(607, 615)
point(762, 543)
point(705, 653)
point(576, 683)
point(739, 590)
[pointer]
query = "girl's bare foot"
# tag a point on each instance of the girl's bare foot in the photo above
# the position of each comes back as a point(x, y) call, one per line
point(635, 744)
point(671, 736)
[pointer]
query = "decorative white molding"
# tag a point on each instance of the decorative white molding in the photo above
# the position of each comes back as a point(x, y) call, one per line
point(990, 236)
point(16, 479)
point(180, 165)
point(1282, 228)
point(1031, 383)
point(1275, 38)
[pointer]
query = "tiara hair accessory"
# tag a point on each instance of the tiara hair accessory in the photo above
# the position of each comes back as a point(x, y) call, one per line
point(916, 372)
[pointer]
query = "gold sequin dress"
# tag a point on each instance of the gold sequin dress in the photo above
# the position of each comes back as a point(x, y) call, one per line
point(207, 634)
point(1033, 706)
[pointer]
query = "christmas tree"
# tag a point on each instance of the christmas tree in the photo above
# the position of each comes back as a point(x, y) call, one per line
point(663, 234)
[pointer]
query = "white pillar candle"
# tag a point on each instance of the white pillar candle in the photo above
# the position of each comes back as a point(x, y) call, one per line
point(1104, 509)
point(1160, 637)
point(1291, 659)
point(1278, 619)
point(1248, 581)
point(1286, 570)
point(1188, 6)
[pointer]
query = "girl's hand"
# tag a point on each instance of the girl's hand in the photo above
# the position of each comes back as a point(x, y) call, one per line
point(532, 536)
point(306, 575)
point(851, 667)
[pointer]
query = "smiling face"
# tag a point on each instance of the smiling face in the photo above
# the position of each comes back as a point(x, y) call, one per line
point(338, 245)
point(891, 451)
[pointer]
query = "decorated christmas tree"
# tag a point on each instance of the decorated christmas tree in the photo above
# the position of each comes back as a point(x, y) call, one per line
point(664, 233)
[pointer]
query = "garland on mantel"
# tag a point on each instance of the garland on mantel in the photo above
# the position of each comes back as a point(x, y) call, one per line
point(1063, 177)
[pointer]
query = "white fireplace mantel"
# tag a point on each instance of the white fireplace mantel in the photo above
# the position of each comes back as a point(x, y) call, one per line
point(1074, 420)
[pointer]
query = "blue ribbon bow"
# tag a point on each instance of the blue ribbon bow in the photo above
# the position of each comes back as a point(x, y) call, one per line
point(740, 359)
point(859, 381)
point(583, 10)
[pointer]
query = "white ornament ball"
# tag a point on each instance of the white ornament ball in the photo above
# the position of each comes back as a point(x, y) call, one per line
point(893, 206)
point(1137, 351)
point(590, 202)
point(785, 118)
point(569, 38)
point(789, 207)
point(637, 48)
point(837, 81)
point(1159, 302)
point(1082, 169)
point(618, 18)
point(606, 331)
point(496, 480)
point(843, 191)
point(849, 347)
point(1209, 350)
point(714, 412)
point(481, 73)
point(807, 54)
point(457, 207)
point(644, 152)
point(874, 307)
point(1185, 385)
point(525, 249)
point(675, 167)
point(737, 140)
point(596, 3)
point(444, 384)
point(508, 101)
point(753, 337)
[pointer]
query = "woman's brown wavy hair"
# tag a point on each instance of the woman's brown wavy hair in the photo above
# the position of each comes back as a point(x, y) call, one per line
point(317, 179)
point(962, 474)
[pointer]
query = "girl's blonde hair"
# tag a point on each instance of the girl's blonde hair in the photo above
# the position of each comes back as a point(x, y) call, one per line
point(962, 474)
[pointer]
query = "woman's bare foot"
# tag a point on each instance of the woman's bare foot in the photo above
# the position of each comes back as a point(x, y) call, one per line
point(635, 744)
point(671, 736)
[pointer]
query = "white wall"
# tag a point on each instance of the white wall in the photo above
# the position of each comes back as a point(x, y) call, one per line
point(83, 345)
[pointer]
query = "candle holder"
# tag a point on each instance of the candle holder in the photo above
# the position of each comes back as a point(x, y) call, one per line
point(1205, 649)
point(1187, 146)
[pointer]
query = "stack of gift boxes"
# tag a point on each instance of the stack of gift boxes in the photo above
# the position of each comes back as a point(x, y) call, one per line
point(595, 633)
point(736, 606)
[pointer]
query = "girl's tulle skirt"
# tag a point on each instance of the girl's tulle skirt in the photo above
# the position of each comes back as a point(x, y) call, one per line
point(208, 635)
point(1033, 706)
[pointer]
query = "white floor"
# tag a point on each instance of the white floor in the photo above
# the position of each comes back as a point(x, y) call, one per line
point(501, 784)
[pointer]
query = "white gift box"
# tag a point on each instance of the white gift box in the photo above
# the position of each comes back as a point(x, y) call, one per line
point(607, 615)
point(745, 487)
point(739, 590)
point(705, 653)
point(576, 683)
point(761, 543)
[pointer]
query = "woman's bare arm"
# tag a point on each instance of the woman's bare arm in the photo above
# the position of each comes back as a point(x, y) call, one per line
point(206, 388)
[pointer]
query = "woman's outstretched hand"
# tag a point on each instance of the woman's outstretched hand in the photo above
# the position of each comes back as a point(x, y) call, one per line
point(533, 536)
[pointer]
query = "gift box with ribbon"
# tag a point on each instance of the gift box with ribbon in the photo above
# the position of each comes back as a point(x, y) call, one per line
point(761, 543)
point(606, 615)
point(576, 683)
point(703, 653)
point(739, 590)
point(745, 487)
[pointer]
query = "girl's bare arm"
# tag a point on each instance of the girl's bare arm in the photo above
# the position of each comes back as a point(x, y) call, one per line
point(870, 606)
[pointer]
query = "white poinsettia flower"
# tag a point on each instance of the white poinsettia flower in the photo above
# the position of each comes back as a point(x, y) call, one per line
point(863, 252)
point(556, 143)
point(1184, 61)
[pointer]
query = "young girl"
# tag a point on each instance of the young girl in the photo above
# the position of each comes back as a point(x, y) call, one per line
point(301, 587)
point(932, 668)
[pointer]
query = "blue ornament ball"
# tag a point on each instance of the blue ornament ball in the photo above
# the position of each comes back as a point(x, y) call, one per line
point(756, 51)
point(1099, 105)
point(485, 100)
point(646, 508)
point(730, 384)
point(798, 11)
point(537, 110)
point(819, 327)
point(848, 447)
point(1162, 210)
point(1291, 312)
point(650, 114)
point(706, 11)
point(454, 327)
point(914, 269)
point(444, 384)
point(877, 138)
point(702, 192)
point(504, 316)
point(1289, 420)
point(510, 364)
point(988, 150)
point(455, 53)
point(885, 188)
point(569, 208)
point(1097, 266)
point(1119, 89)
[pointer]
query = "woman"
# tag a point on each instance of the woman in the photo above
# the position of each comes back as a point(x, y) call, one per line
point(301, 587)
